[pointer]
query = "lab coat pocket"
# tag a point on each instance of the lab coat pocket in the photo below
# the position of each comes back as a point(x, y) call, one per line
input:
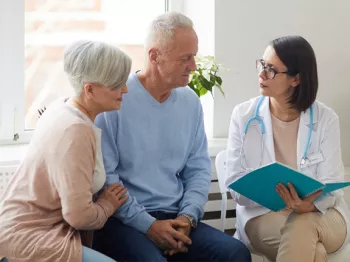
point(312, 162)
point(314, 159)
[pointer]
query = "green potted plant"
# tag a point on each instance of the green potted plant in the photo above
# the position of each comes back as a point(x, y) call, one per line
point(205, 77)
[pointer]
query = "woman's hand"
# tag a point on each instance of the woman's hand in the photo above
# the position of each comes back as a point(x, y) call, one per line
point(293, 202)
point(115, 194)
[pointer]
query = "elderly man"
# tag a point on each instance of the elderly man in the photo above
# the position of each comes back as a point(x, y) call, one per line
point(156, 146)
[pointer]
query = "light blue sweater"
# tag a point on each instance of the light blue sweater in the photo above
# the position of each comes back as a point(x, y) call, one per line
point(159, 152)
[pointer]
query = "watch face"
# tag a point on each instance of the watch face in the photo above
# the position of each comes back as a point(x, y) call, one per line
point(194, 223)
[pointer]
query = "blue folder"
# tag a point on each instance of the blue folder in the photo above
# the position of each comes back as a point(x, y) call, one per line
point(260, 185)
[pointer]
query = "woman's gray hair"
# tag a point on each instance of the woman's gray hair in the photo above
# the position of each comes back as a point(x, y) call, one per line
point(95, 62)
point(162, 28)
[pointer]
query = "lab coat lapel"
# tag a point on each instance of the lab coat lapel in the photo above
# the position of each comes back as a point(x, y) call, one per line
point(303, 133)
point(265, 114)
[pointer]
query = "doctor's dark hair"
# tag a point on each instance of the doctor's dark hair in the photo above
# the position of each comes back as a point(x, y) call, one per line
point(299, 58)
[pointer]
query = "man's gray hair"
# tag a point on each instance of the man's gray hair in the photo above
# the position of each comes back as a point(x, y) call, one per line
point(162, 28)
point(95, 62)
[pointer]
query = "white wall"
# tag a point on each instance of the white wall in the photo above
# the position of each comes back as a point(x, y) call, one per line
point(243, 28)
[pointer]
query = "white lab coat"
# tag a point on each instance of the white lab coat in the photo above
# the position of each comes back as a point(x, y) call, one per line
point(324, 153)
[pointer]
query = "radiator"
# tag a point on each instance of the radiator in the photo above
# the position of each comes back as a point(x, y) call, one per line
point(6, 173)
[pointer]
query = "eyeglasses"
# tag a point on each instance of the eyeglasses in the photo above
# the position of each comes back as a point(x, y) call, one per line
point(269, 72)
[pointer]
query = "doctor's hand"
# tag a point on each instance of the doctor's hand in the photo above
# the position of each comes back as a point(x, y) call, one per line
point(294, 202)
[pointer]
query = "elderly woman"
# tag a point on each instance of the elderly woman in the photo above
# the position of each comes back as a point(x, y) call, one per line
point(50, 198)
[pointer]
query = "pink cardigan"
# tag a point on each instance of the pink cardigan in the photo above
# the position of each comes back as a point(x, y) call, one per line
point(50, 197)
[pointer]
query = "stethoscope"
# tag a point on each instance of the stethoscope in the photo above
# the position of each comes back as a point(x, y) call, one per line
point(256, 117)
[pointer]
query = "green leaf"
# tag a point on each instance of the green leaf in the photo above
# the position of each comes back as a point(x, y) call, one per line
point(204, 83)
point(191, 84)
point(202, 91)
point(213, 79)
point(219, 80)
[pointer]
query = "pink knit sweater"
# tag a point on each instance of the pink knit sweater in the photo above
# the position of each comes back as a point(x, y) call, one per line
point(50, 196)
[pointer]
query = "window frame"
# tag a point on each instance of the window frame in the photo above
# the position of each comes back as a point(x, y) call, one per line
point(12, 86)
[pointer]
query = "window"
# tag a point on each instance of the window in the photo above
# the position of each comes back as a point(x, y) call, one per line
point(48, 26)
point(52, 24)
point(34, 34)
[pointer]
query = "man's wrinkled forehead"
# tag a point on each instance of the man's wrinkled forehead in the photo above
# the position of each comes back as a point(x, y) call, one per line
point(183, 42)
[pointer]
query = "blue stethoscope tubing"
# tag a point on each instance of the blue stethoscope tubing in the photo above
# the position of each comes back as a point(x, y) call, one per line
point(256, 117)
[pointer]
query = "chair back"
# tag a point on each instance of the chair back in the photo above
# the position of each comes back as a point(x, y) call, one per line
point(220, 164)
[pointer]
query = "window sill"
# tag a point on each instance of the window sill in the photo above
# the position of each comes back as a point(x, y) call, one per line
point(12, 154)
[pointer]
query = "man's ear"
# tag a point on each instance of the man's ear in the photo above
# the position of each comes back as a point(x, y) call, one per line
point(153, 55)
point(296, 81)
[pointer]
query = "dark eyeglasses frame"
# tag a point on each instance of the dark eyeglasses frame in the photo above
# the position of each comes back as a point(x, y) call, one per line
point(264, 67)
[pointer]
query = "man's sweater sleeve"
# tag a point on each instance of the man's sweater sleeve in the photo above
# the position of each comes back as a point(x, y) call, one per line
point(131, 212)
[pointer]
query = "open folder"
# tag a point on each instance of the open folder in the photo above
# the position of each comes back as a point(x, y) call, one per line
point(260, 185)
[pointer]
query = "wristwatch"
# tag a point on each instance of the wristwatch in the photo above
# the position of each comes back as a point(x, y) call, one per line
point(193, 221)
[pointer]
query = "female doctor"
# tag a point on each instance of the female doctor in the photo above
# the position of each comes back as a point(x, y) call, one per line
point(287, 125)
